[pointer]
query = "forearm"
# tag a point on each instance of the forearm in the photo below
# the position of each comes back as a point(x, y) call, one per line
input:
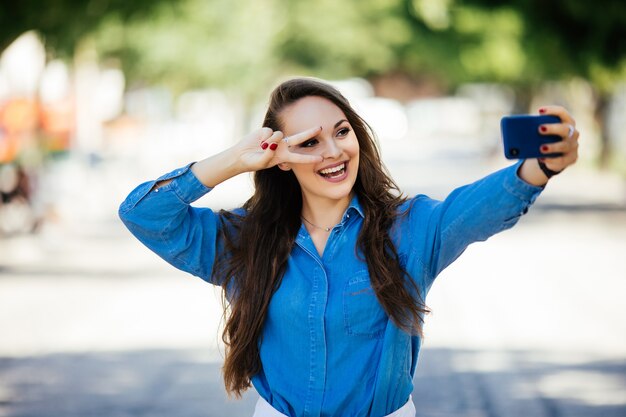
point(477, 211)
point(218, 168)
point(214, 170)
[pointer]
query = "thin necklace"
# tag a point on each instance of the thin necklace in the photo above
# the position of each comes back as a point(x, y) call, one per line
point(326, 229)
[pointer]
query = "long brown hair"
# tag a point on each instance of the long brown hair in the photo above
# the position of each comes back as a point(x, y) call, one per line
point(270, 225)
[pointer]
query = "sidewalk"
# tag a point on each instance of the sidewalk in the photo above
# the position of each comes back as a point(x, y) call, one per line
point(185, 383)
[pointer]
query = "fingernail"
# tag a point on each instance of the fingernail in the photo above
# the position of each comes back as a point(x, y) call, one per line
point(264, 145)
point(544, 148)
point(542, 110)
point(273, 146)
point(543, 129)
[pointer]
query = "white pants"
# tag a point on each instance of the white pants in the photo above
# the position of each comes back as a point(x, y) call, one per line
point(264, 409)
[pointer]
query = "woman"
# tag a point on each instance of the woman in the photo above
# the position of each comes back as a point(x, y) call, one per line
point(325, 268)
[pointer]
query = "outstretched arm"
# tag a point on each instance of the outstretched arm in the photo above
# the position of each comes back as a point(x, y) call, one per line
point(479, 210)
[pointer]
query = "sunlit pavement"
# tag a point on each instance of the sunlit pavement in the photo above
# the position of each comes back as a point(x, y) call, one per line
point(529, 323)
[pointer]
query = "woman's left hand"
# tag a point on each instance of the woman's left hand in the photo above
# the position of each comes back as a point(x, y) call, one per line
point(568, 147)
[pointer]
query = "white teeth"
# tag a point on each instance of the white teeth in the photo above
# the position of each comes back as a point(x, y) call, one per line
point(331, 170)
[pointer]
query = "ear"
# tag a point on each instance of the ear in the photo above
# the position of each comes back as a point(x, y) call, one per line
point(284, 166)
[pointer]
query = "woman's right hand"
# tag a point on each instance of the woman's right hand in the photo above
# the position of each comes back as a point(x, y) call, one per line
point(251, 154)
point(264, 148)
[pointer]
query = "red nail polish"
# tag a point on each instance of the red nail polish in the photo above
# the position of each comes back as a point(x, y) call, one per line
point(273, 146)
point(542, 110)
point(264, 145)
point(543, 128)
point(544, 148)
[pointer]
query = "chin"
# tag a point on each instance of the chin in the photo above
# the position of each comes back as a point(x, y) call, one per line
point(339, 193)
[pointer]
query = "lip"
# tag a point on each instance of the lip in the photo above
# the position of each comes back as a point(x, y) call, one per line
point(338, 179)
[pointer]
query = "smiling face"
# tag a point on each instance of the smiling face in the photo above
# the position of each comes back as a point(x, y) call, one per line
point(334, 177)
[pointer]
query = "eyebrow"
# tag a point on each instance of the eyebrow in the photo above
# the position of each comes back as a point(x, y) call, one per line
point(339, 122)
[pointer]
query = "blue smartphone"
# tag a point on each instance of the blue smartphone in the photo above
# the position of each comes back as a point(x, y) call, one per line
point(521, 137)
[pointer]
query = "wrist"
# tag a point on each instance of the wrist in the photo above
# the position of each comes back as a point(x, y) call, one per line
point(546, 171)
point(232, 162)
point(530, 172)
point(217, 168)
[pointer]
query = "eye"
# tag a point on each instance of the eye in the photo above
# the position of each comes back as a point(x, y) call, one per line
point(343, 132)
point(309, 143)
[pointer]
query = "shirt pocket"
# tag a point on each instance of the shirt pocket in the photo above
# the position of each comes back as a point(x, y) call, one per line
point(363, 314)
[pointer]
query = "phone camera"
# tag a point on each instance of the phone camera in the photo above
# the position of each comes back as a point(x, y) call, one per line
point(514, 151)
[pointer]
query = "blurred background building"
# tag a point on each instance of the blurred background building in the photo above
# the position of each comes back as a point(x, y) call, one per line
point(99, 95)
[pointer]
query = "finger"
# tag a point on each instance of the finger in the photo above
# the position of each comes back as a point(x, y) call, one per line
point(567, 149)
point(564, 130)
point(300, 137)
point(264, 134)
point(297, 158)
point(563, 147)
point(273, 141)
point(558, 111)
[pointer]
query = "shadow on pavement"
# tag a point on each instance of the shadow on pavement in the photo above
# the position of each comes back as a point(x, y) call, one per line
point(590, 208)
point(185, 383)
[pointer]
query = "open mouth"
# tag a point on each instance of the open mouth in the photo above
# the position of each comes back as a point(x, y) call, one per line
point(334, 172)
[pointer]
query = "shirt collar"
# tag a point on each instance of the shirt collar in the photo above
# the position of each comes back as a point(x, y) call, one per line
point(353, 207)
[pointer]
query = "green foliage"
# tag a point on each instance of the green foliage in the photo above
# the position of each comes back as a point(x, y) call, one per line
point(244, 44)
point(565, 38)
point(341, 38)
point(196, 43)
point(62, 23)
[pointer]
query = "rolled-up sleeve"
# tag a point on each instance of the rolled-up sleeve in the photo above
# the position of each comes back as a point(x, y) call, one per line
point(162, 218)
point(469, 214)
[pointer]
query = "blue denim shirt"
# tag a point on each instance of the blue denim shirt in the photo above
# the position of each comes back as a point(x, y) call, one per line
point(328, 348)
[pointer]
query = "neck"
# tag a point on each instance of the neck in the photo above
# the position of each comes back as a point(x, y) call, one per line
point(324, 212)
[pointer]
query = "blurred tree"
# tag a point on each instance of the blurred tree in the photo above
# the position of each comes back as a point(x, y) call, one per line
point(522, 42)
point(563, 39)
point(570, 38)
point(199, 41)
point(63, 23)
point(197, 44)
point(245, 45)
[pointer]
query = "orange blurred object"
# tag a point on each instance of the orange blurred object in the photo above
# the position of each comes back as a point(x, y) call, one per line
point(57, 123)
point(22, 118)
point(17, 117)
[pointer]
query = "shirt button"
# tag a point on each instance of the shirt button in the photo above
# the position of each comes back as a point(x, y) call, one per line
point(156, 190)
point(348, 216)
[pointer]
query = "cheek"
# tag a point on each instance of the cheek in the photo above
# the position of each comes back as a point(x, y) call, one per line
point(301, 171)
point(352, 147)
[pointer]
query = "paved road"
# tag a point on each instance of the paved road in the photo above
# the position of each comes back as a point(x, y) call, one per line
point(529, 323)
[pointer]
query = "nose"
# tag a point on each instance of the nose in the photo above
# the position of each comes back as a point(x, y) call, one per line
point(331, 149)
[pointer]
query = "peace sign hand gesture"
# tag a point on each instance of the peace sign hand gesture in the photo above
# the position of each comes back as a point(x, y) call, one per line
point(265, 148)
point(261, 149)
